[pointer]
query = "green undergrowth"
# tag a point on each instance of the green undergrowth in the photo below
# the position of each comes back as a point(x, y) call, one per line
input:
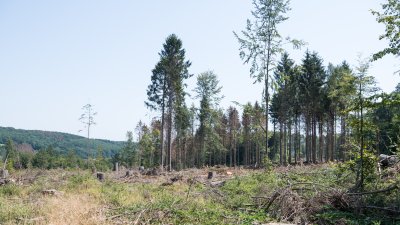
point(175, 204)
point(241, 200)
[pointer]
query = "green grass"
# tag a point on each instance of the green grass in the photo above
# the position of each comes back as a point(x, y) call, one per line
point(184, 203)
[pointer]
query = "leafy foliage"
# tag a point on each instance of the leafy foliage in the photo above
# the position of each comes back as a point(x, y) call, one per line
point(390, 17)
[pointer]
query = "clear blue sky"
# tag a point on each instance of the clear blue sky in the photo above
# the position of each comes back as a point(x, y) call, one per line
point(56, 56)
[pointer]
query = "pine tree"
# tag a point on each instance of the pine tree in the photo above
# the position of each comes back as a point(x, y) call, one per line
point(208, 91)
point(311, 81)
point(166, 92)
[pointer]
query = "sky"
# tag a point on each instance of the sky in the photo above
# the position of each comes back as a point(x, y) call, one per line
point(57, 56)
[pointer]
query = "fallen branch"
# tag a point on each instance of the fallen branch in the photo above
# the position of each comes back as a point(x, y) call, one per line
point(122, 214)
point(32, 219)
point(272, 199)
point(382, 208)
point(263, 197)
point(217, 184)
point(375, 192)
point(218, 193)
point(140, 215)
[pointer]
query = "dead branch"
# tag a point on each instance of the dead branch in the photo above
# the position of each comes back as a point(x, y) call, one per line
point(5, 161)
point(391, 210)
point(217, 184)
point(272, 199)
point(138, 217)
point(32, 219)
point(122, 214)
point(262, 197)
point(393, 187)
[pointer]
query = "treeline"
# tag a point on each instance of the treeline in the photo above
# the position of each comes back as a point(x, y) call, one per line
point(334, 111)
point(50, 158)
point(318, 114)
point(61, 142)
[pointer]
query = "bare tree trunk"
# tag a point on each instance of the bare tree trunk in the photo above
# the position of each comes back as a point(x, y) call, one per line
point(299, 140)
point(281, 143)
point(328, 141)
point(296, 148)
point(234, 150)
point(321, 140)
point(332, 138)
point(275, 142)
point(308, 145)
point(335, 148)
point(342, 137)
point(284, 143)
point(290, 143)
point(314, 139)
point(169, 141)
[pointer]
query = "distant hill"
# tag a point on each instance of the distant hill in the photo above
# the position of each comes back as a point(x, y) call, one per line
point(34, 140)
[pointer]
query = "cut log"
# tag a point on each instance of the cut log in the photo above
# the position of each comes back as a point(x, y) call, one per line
point(217, 184)
point(101, 177)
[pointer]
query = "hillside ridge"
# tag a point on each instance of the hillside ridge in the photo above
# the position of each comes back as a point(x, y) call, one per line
point(60, 141)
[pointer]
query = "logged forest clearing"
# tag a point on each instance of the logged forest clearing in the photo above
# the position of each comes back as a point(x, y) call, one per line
point(312, 136)
point(313, 194)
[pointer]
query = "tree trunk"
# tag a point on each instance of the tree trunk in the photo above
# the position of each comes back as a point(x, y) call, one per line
point(281, 143)
point(299, 141)
point(321, 140)
point(314, 139)
point(275, 147)
point(169, 141)
point(284, 144)
point(335, 148)
point(296, 148)
point(332, 138)
point(307, 149)
point(342, 137)
point(290, 143)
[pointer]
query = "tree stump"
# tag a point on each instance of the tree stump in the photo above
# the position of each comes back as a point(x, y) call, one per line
point(3, 173)
point(100, 177)
point(141, 169)
point(116, 167)
point(211, 174)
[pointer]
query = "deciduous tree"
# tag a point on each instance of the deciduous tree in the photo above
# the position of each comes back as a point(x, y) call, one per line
point(260, 42)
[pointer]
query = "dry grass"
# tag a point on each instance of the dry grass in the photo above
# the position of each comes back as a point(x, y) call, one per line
point(73, 209)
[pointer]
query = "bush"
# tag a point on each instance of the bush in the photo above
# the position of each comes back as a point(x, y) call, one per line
point(370, 162)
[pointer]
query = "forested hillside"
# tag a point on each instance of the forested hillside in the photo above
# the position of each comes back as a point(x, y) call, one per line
point(61, 142)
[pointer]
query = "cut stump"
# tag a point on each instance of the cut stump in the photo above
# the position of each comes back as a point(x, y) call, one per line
point(101, 177)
